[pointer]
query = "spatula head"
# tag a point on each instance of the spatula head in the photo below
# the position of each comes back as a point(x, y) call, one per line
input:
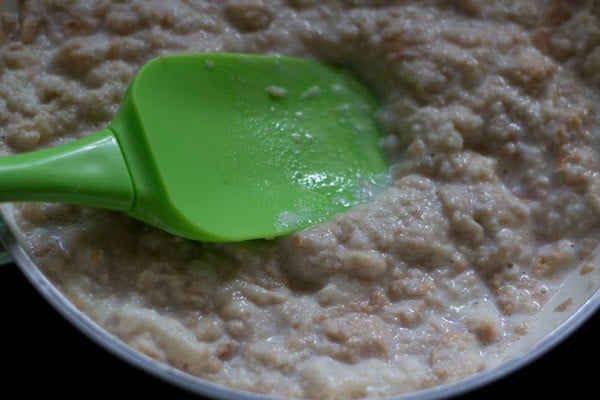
point(228, 147)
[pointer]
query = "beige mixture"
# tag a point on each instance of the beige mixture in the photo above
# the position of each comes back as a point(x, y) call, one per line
point(491, 117)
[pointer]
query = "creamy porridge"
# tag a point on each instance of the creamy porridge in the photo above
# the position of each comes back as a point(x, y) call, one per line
point(491, 122)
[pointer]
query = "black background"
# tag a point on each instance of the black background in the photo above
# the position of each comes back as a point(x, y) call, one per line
point(44, 355)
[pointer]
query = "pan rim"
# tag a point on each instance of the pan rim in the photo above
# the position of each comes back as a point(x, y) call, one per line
point(202, 387)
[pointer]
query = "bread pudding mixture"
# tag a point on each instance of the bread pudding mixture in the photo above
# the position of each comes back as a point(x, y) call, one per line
point(490, 114)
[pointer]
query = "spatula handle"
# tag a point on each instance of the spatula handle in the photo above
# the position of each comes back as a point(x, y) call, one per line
point(88, 171)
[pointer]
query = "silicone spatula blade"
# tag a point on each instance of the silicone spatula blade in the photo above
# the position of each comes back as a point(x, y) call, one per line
point(219, 147)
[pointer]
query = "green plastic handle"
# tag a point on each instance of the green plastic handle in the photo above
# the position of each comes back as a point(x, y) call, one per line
point(89, 171)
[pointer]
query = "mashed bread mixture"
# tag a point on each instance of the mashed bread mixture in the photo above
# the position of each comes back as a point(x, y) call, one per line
point(491, 119)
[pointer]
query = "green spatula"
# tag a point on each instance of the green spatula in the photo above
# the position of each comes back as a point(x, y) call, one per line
point(218, 147)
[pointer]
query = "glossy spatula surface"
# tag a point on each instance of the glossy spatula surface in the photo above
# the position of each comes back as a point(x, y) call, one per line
point(220, 147)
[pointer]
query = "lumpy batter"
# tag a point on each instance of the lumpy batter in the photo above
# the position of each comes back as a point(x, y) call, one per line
point(490, 114)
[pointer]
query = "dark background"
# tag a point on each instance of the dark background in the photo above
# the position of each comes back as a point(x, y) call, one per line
point(43, 355)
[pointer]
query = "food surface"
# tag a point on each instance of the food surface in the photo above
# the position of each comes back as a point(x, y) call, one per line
point(490, 114)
